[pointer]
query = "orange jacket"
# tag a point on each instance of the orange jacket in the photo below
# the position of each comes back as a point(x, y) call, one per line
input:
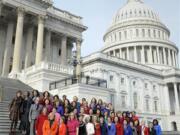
point(47, 130)
point(62, 129)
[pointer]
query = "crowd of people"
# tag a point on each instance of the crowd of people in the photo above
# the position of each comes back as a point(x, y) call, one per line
point(42, 114)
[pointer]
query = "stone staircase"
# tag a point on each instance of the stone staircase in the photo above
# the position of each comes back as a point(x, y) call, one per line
point(8, 89)
point(4, 119)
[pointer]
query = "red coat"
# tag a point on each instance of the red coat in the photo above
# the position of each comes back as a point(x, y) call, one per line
point(119, 129)
point(145, 130)
point(97, 129)
point(39, 123)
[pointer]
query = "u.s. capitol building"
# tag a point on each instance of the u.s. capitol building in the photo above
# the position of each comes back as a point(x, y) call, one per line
point(138, 61)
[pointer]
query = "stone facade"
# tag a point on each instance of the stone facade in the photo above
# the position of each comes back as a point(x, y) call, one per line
point(33, 32)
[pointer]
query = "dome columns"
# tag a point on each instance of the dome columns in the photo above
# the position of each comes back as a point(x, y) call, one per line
point(149, 54)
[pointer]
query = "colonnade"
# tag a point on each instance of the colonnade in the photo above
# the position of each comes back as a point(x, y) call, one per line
point(43, 37)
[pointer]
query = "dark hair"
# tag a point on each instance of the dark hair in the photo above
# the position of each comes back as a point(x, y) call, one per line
point(155, 120)
point(19, 91)
point(36, 92)
point(56, 96)
point(45, 93)
point(28, 94)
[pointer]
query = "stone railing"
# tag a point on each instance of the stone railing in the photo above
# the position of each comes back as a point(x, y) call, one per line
point(66, 15)
point(49, 66)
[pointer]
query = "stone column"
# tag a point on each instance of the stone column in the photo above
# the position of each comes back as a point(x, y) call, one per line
point(173, 59)
point(48, 45)
point(135, 54)
point(176, 98)
point(169, 58)
point(120, 51)
point(8, 45)
point(142, 56)
point(18, 42)
point(164, 56)
point(2, 42)
point(40, 35)
point(1, 6)
point(78, 49)
point(127, 49)
point(167, 101)
point(64, 50)
point(158, 55)
point(150, 59)
point(29, 44)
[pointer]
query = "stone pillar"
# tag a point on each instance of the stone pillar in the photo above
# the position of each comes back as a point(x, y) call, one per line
point(8, 45)
point(120, 51)
point(173, 59)
point(127, 49)
point(64, 50)
point(78, 49)
point(30, 34)
point(164, 56)
point(1, 7)
point(169, 58)
point(135, 54)
point(142, 56)
point(2, 43)
point(158, 55)
point(155, 56)
point(48, 45)
point(167, 102)
point(176, 98)
point(18, 42)
point(150, 58)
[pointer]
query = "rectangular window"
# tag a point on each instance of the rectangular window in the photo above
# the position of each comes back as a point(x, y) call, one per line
point(147, 104)
point(123, 101)
point(122, 80)
point(155, 106)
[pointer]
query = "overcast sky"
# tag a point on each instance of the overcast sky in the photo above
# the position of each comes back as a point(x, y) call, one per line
point(97, 16)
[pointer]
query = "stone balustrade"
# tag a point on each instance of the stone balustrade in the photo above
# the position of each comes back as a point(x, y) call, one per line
point(49, 66)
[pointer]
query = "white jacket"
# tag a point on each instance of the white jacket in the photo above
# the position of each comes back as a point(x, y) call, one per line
point(90, 129)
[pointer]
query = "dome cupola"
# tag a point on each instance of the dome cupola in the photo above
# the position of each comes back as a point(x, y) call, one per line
point(137, 34)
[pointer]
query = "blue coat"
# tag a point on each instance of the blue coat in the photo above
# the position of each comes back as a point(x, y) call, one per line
point(128, 130)
point(158, 130)
point(60, 110)
point(112, 129)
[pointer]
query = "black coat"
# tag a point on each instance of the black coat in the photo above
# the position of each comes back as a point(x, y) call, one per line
point(152, 131)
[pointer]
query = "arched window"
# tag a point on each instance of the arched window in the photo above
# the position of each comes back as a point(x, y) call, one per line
point(154, 32)
point(135, 98)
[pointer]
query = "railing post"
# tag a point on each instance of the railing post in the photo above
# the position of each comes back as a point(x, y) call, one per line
point(55, 85)
point(1, 93)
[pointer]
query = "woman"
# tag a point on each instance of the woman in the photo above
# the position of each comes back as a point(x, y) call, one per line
point(55, 99)
point(152, 131)
point(89, 126)
point(82, 126)
point(119, 127)
point(137, 126)
point(26, 104)
point(73, 125)
point(97, 126)
point(93, 105)
point(48, 105)
point(57, 115)
point(33, 114)
point(62, 127)
point(66, 114)
point(103, 126)
point(111, 128)
point(134, 130)
point(157, 127)
point(144, 129)
point(50, 126)
point(60, 108)
point(40, 121)
point(14, 108)
point(35, 94)
point(46, 95)
point(127, 128)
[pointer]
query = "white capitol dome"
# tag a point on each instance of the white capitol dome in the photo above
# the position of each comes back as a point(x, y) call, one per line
point(137, 34)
